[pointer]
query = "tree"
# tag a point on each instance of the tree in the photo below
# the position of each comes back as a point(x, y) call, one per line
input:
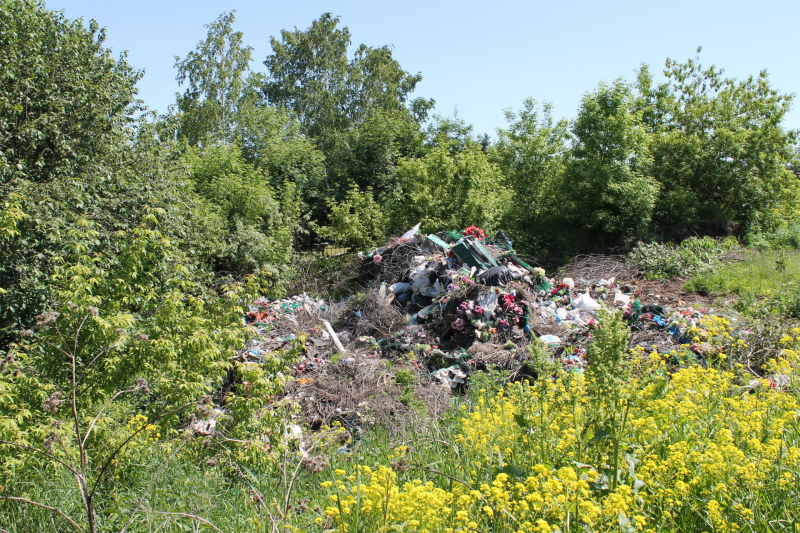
point(719, 149)
point(63, 97)
point(356, 222)
point(259, 232)
point(608, 176)
point(531, 153)
point(65, 108)
point(215, 78)
point(451, 132)
point(452, 191)
point(311, 75)
point(375, 147)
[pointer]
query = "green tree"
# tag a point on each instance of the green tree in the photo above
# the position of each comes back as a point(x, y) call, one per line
point(356, 222)
point(531, 153)
point(453, 191)
point(271, 141)
point(215, 76)
point(63, 97)
point(451, 132)
point(608, 174)
point(718, 145)
point(311, 75)
point(259, 232)
point(375, 148)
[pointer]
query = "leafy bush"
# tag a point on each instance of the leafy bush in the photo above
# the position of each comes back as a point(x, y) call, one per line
point(691, 257)
point(356, 222)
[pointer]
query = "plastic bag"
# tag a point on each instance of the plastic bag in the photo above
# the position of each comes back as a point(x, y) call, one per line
point(550, 340)
point(568, 282)
point(489, 303)
point(621, 298)
point(586, 302)
point(410, 235)
point(399, 287)
point(420, 279)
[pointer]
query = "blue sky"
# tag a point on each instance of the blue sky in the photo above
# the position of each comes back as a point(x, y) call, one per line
point(482, 57)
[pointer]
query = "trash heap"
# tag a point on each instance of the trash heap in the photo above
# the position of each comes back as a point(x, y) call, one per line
point(441, 306)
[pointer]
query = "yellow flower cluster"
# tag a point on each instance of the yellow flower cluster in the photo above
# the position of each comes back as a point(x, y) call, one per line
point(378, 499)
point(148, 433)
point(701, 450)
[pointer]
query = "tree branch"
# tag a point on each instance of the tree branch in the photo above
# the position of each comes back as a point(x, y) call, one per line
point(85, 437)
point(186, 515)
point(25, 500)
point(37, 450)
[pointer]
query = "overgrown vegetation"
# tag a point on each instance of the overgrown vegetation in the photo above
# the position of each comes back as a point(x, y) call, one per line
point(130, 244)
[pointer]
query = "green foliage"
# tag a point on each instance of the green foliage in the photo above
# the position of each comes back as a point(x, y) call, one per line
point(259, 232)
point(405, 376)
point(531, 154)
point(357, 222)
point(766, 283)
point(222, 104)
point(689, 258)
point(719, 150)
point(450, 132)
point(375, 148)
point(63, 97)
point(131, 324)
point(444, 190)
point(311, 75)
point(608, 176)
point(214, 74)
point(65, 166)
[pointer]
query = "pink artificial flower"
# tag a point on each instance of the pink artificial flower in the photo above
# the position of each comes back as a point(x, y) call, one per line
point(377, 258)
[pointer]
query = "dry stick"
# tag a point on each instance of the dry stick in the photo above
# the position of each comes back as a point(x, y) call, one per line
point(186, 515)
point(335, 337)
point(150, 486)
point(68, 519)
point(37, 450)
point(87, 501)
point(252, 443)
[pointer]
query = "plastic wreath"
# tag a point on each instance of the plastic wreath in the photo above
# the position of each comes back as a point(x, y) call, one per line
point(474, 231)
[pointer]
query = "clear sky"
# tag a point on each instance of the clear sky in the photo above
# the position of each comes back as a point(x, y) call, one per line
point(482, 57)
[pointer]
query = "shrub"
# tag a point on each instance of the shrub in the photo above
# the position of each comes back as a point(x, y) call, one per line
point(691, 257)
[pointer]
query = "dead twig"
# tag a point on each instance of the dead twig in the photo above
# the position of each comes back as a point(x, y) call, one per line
point(37, 504)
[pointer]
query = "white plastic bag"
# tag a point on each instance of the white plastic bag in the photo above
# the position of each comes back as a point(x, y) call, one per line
point(421, 281)
point(550, 340)
point(586, 302)
point(489, 303)
point(624, 299)
point(410, 235)
point(569, 283)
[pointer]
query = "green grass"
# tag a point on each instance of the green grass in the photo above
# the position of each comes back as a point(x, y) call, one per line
point(765, 281)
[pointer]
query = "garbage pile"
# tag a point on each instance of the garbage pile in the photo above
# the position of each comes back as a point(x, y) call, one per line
point(441, 306)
